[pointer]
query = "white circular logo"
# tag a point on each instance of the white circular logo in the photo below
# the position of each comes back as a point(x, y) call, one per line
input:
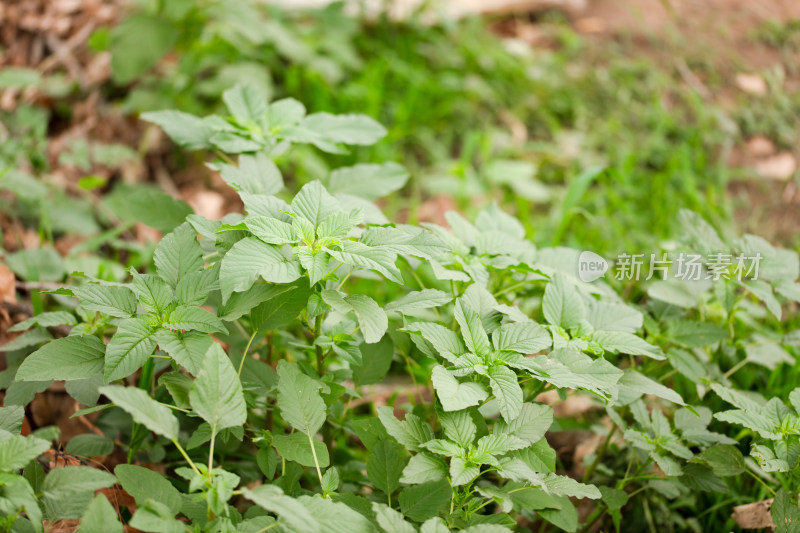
point(591, 266)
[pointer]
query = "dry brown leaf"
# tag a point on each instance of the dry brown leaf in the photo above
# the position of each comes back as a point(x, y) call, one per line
point(62, 526)
point(760, 146)
point(751, 83)
point(754, 515)
point(590, 25)
point(8, 287)
point(433, 210)
point(779, 167)
point(208, 204)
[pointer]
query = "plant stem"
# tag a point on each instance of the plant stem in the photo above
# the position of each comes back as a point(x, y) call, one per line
point(186, 456)
point(599, 455)
point(269, 400)
point(326, 434)
point(735, 367)
point(211, 450)
point(314, 453)
point(246, 349)
point(317, 347)
point(761, 481)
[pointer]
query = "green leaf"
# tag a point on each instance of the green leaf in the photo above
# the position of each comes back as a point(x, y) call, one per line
point(178, 385)
point(144, 410)
point(11, 418)
point(234, 142)
point(454, 395)
point(768, 354)
point(627, 343)
point(695, 334)
point(417, 300)
point(389, 520)
point(272, 230)
point(371, 318)
point(539, 457)
point(296, 447)
point(674, 292)
point(423, 467)
point(111, 300)
point(153, 292)
point(187, 348)
point(407, 240)
point(89, 445)
point(186, 130)
point(36, 264)
point(76, 357)
point(521, 337)
point(567, 368)
point(194, 288)
point(346, 129)
point(445, 341)
point(16, 451)
point(360, 255)
point(194, 318)
point(411, 432)
point(144, 484)
point(444, 447)
point(723, 459)
point(250, 258)
point(155, 516)
point(368, 181)
point(687, 364)
point(472, 329)
point(256, 174)
point(605, 316)
point(281, 310)
point(335, 517)
point(149, 205)
point(785, 513)
point(178, 254)
point(137, 44)
point(376, 359)
point(283, 113)
point(216, 394)
point(695, 476)
point(385, 465)
point(69, 490)
point(241, 303)
point(639, 384)
point(566, 486)
point(462, 472)
point(530, 425)
point(314, 203)
point(299, 399)
point(458, 426)
point(314, 261)
point(290, 512)
point(129, 348)
point(246, 102)
point(46, 320)
point(763, 291)
point(506, 389)
point(330, 481)
point(496, 444)
point(338, 225)
point(426, 500)
point(562, 304)
point(100, 517)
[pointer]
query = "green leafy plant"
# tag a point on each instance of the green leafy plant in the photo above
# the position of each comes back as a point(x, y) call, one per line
point(243, 362)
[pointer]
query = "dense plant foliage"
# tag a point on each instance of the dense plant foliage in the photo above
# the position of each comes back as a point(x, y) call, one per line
point(244, 363)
